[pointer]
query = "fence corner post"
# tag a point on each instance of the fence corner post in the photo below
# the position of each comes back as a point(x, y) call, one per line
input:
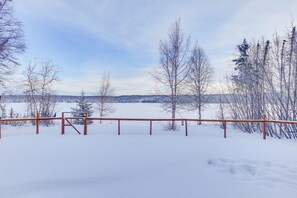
point(85, 125)
point(225, 129)
point(186, 127)
point(119, 127)
point(264, 126)
point(37, 124)
point(63, 124)
point(151, 130)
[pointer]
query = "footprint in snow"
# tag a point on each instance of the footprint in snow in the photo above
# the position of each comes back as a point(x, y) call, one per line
point(265, 173)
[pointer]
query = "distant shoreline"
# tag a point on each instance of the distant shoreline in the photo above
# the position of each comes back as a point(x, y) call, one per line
point(212, 98)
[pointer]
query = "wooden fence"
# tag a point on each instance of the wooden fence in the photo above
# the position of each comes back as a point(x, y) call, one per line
point(65, 120)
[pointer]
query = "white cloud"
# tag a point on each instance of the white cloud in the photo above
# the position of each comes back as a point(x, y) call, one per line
point(124, 24)
point(137, 26)
point(256, 19)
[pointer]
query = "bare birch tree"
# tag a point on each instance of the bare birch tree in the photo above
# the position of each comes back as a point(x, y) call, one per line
point(173, 69)
point(105, 98)
point(199, 79)
point(11, 40)
point(39, 77)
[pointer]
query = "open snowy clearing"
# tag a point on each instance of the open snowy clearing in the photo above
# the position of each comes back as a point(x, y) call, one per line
point(135, 164)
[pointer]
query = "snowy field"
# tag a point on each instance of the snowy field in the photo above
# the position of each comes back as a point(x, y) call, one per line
point(136, 165)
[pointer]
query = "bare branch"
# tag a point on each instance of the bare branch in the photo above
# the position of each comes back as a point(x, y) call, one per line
point(105, 98)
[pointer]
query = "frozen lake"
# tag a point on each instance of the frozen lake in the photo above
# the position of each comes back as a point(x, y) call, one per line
point(133, 110)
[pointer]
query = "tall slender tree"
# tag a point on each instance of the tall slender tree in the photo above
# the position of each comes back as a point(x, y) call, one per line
point(199, 79)
point(173, 69)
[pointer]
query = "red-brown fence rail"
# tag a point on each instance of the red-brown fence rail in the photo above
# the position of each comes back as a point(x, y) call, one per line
point(37, 120)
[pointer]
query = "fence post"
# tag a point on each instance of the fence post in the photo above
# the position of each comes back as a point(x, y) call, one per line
point(264, 126)
point(37, 124)
point(151, 123)
point(119, 127)
point(225, 129)
point(186, 127)
point(86, 124)
point(63, 124)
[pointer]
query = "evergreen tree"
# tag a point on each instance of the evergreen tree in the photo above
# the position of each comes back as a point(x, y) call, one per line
point(248, 90)
point(244, 77)
point(3, 111)
point(11, 113)
point(83, 107)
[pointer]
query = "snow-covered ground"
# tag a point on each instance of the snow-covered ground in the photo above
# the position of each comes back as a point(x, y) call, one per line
point(135, 164)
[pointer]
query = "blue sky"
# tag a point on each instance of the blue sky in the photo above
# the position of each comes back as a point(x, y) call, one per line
point(86, 38)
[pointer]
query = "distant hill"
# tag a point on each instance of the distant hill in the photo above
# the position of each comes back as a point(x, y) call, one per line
point(213, 98)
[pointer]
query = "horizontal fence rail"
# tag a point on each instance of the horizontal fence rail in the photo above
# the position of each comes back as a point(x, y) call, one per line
point(65, 120)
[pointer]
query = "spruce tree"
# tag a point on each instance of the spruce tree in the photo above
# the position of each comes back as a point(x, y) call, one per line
point(245, 72)
point(3, 111)
point(83, 107)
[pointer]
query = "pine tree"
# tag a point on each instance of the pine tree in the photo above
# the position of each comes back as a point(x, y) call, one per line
point(83, 107)
point(3, 111)
point(11, 113)
point(245, 72)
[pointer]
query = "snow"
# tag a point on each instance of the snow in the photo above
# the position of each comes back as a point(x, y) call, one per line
point(128, 110)
point(135, 164)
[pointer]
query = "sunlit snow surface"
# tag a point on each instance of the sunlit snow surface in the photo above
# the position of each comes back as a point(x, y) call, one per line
point(135, 164)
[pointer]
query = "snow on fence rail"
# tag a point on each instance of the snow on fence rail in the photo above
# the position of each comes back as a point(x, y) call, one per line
point(37, 119)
